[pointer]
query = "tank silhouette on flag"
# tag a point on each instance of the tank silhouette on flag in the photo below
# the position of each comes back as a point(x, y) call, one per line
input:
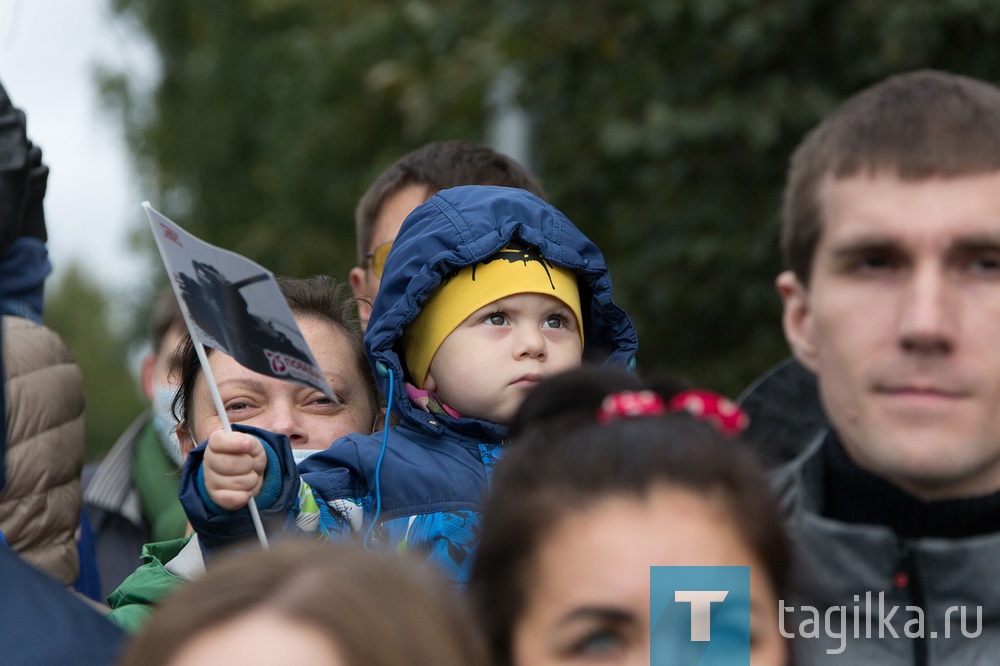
point(233, 304)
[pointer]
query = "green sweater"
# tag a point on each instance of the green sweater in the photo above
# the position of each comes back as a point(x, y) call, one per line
point(137, 597)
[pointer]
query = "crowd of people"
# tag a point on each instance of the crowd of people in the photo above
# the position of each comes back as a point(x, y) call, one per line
point(502, 482)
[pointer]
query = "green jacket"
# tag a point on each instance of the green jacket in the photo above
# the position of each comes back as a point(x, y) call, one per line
point(137, 597)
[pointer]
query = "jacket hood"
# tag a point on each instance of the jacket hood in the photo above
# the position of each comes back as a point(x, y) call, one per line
point(462, 226)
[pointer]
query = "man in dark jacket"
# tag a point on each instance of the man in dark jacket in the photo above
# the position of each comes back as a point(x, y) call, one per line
point(891, 232)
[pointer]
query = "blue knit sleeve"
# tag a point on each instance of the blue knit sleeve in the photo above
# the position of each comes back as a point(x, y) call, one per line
point(277, 502)
point(269, 492)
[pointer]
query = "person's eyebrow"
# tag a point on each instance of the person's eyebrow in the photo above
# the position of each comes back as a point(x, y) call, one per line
point(978, 242)
point(602, 613)
point(846, 251)
point(861, 243)
point(251, 383)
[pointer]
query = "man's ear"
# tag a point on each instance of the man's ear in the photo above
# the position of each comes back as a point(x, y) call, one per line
point(797, 319)
point(356, 278)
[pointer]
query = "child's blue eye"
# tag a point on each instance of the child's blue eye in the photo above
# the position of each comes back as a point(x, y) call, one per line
point(555, 321)
point(497, 319)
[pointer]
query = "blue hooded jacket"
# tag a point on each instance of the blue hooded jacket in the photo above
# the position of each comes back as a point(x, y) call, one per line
point(420, 485)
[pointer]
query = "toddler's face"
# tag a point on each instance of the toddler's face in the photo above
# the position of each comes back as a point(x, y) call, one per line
point(485, 367)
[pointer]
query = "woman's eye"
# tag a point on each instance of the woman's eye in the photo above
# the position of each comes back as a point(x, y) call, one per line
point(599, 643)
point(237, 406)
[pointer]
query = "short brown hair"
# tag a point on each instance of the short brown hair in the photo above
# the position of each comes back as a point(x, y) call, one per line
point(375, 610)
point(437, 166)
point(917, 125)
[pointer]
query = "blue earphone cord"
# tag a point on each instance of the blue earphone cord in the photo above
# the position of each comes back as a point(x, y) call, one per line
point(378, 465)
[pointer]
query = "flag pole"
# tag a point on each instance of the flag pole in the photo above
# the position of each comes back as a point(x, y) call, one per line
point(186, 258)
point(221, 410)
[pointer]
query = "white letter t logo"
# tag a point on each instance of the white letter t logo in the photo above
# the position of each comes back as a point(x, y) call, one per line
point(701, 610)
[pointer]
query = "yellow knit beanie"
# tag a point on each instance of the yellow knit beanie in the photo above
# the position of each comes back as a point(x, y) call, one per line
point(512, 270)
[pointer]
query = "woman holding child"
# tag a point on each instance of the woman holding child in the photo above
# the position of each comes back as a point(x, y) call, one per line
point(307, 418)
point(486, 291)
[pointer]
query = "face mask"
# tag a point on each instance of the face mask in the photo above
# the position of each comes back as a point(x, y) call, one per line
point(165, 423)
point(301, 454)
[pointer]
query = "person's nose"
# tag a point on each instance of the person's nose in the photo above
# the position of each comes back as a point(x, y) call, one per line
point(529, 342)
point(287, 420)
point(928, 318)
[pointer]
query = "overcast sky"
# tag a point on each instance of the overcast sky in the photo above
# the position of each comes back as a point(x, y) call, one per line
point(48, 52)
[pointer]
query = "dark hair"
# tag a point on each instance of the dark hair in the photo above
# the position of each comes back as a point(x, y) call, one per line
point(437, 166)
point(377, 611)
point(916, 125)
point(561, 461)
point(319, 297)
point(166, 316)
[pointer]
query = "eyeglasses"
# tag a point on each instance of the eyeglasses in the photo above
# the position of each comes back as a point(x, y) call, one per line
point(376, 258)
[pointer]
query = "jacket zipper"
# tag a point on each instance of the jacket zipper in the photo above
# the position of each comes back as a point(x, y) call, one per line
point(907, 577)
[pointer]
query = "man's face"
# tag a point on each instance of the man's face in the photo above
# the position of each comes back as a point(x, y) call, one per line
point(163, 369)
point(901, 324)
point(364, 283)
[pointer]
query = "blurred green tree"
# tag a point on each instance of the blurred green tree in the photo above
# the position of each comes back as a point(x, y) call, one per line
point(77, 308)
point(661, 127)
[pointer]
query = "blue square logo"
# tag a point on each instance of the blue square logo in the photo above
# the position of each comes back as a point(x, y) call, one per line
point(699, 616)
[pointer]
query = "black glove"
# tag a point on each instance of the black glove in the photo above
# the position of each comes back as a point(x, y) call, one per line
point(32, 214)
point(23, 178)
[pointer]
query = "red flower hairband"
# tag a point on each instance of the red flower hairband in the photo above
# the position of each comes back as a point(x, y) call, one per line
point(722, 412)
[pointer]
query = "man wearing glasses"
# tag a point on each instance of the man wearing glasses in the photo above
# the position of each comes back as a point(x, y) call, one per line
point(409, 182)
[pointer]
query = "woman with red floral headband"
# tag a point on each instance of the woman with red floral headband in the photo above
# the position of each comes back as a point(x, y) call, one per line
point(604, 479)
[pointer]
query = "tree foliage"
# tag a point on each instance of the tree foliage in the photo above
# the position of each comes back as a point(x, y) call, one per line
point(661, 127)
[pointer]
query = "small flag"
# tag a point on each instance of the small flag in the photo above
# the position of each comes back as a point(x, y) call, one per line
point(234, 305)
